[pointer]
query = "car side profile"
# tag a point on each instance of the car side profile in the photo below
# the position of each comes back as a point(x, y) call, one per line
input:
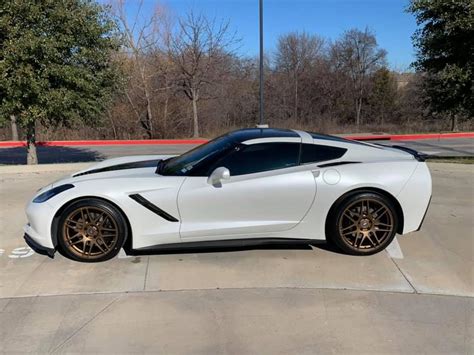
point(249, 186)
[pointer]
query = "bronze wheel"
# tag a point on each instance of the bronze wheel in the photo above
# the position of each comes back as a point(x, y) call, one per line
point(91, 231)
point(365, 224)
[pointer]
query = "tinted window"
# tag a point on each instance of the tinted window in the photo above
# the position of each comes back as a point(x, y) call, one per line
point(255, 158)
point(193, 162)
point(313, 153)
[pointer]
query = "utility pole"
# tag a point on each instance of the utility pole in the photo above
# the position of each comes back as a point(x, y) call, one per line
point(261, 121)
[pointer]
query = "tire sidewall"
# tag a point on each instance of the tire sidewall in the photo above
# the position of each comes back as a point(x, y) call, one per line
point(112, 210)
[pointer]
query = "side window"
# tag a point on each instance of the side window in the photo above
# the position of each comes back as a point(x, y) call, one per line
point(255, 158)
point(314, 153)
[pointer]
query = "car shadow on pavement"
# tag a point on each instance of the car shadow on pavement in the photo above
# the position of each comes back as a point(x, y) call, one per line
point(49, 155)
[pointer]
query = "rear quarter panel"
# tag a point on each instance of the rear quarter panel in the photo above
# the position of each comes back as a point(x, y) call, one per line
point(391, 176)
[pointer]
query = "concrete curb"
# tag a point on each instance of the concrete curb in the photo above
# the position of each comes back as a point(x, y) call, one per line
point(393, 137)
point(42, 168)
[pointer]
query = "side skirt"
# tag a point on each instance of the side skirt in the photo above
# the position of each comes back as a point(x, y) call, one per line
point(221, 244)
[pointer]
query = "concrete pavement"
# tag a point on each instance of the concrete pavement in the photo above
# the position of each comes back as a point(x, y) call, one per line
point(238, 321)
point(245, 301)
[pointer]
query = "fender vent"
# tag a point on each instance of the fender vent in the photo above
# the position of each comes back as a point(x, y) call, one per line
point(155, 209)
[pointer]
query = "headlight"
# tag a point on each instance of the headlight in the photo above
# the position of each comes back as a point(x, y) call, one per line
point(45, 196)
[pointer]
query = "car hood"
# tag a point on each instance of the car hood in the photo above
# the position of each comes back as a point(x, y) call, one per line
point(131, 166)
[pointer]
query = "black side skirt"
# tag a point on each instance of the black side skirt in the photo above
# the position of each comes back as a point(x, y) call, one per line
point(221, 244)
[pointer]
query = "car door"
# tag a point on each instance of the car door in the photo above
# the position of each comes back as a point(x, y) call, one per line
point(267, 192)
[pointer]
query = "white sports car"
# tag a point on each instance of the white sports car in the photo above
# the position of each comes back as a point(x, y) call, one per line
point(250, 186)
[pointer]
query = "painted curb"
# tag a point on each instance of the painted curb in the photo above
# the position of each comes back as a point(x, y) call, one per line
point(393, 137)
point(106, 142)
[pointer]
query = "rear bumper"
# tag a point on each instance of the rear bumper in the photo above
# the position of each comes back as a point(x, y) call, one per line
point(415, 197)
point(423, 219)
point(38, 248)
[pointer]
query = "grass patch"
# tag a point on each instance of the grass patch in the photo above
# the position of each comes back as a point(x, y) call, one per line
point(454, 160)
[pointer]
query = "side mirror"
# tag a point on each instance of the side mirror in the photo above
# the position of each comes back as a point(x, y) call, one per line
point(218, 175)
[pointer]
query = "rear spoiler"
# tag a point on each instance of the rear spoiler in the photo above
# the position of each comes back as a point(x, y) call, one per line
point(418, 156)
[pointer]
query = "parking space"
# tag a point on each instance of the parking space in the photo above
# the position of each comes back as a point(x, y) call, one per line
point(278, 299)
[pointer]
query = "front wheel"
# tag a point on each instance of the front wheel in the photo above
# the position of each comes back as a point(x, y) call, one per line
point(91, 230)
point(363, 224)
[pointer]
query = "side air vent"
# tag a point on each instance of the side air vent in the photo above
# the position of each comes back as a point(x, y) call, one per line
point(155, 209)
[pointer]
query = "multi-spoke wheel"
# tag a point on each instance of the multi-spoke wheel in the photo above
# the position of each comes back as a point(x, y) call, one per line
point(363, 224)
point(91, 230)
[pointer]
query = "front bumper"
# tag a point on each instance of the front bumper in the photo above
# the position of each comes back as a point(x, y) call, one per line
point(40, 216)
point(38, 248)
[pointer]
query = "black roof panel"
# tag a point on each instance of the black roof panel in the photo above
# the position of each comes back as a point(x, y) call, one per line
point(254, 133)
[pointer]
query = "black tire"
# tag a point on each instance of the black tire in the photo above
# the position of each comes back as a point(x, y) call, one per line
point(91, 230)
point(363, 223)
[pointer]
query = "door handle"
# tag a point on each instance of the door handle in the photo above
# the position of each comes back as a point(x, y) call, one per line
point(315, 173)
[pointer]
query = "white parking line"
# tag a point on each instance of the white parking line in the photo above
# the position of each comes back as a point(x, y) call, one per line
point(394, 250)
point(21, 252)
point(123, 255)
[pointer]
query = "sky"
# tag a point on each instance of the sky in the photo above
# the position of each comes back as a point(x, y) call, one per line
point(328, 18)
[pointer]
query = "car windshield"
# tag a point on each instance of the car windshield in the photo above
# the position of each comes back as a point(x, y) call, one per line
point(188, 163)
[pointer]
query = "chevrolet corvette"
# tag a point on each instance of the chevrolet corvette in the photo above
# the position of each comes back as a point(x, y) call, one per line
point(247, 187)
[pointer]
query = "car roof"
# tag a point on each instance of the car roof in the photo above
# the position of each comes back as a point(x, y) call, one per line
point(246, 134)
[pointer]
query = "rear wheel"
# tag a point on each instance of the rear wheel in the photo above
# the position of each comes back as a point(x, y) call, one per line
point(363, 224)
point(91, 230)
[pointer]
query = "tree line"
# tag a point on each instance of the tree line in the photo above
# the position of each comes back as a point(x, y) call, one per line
point(74, 69)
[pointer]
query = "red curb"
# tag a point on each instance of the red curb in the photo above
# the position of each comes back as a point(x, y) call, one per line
point(106, 142)
point(395, 137)
point(382, 137)
point(408, 137)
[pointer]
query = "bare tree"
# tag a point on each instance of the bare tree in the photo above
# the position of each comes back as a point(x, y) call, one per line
point(357, 54)
point(141, 37)
point(198, 51)
point(296, 53)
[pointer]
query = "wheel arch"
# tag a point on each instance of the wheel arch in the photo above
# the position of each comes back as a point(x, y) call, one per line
point(54, 225)
point(388, 195)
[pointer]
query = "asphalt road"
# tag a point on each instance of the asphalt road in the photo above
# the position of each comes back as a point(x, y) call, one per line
point(417, 297)
point(441, 147)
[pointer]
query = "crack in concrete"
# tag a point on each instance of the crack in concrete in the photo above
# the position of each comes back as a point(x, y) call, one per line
point(146, 273)
point(57, 348)
point(405, 277)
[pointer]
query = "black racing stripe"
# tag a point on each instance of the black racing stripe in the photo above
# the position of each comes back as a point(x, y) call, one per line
point(133, 165)
point(155, 209)
point(338, 163)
